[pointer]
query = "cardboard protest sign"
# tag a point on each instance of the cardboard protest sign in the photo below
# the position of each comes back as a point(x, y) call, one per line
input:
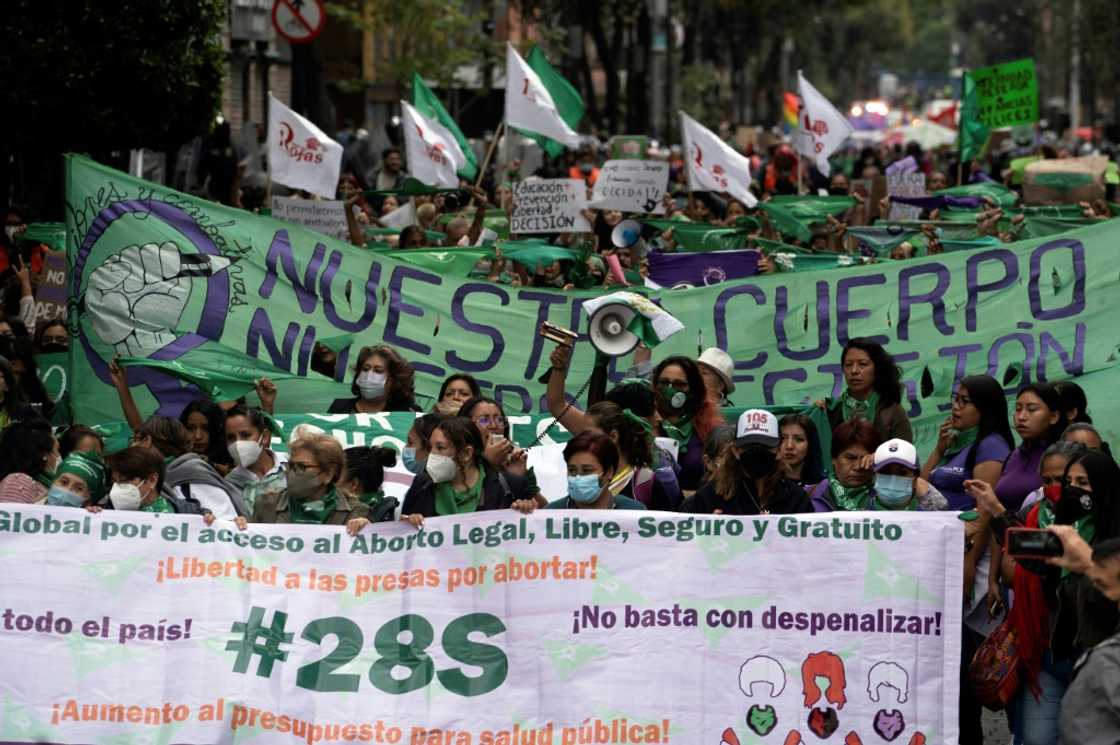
point(187, 632)
point(1007, 93)
point(549, 206)
point(631, 186)
point(628, 147)
point(906, 185)
point(50, 296)
point(1065, 181)
point(327, 216)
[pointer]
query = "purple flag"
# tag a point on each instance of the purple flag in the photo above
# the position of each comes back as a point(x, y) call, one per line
point(939, 202)
point(699, 269)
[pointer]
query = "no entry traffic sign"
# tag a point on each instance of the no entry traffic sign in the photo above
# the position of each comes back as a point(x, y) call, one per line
point(298, 21)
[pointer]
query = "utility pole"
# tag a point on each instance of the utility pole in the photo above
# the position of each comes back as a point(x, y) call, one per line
point(659, 64)
point(1075, 68)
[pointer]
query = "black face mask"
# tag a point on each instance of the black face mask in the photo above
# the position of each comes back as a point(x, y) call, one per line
point(758, 461)
point(1075, 503)
point(838, 192)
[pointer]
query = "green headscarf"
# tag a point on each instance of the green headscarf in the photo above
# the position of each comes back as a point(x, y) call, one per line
point(315, 512)
point(851, 407)
point(849, 498)
point(90, 468)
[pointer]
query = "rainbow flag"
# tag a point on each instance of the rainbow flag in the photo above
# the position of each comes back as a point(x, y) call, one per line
point(791, 104)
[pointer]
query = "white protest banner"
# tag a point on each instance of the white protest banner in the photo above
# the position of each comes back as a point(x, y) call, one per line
point(300, 155)
point(327, 217)
point(155, 624)
point(631, 186)
point(549, 206)
point(906, 185)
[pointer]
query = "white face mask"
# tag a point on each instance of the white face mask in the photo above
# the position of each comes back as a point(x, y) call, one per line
point(125, 497)
point(441, 468)
point(11, 231)
point(371, 385)
point(245, 452)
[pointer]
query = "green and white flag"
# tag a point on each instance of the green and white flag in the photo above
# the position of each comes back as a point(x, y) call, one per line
point(434, 156)
point(973, 131)
point(651, 323)
point(530, 106)
point(428, 104)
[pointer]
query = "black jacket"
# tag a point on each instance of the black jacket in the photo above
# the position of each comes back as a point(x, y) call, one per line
point(350, 406)
point(499, 491)
point(788, 498)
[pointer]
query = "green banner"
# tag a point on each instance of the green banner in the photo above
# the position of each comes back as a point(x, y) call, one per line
point(1007, 94)
point(157, 273)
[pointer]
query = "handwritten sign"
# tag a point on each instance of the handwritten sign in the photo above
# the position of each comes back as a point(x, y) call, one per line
point(549, 206)
point(50, 297)
point(906, 185)
point(631, 186)
point(1008, 93)
point(326, 217)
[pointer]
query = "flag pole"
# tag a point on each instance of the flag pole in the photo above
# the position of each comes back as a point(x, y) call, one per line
point(490, 153)
point(800, 190)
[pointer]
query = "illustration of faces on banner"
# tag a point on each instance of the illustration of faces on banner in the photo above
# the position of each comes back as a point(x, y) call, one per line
point(762, 679)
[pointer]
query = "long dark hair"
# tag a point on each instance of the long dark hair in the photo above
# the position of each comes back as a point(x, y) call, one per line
point(462, 432)
point(1073, 397)
point(1053, 401)
point(25, 444)
point(14, 399)
point(216, 451)
point(888, 378)
point(705, 414)
point(633, 439)
point(400, 377)
point(367, 465)
point(468, 407)
point(812, 470)
point(1104, 476)
point(23, 349)
point(988, 398)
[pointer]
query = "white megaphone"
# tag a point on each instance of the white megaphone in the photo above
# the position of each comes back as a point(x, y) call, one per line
point(607, 328)
point(628, 234)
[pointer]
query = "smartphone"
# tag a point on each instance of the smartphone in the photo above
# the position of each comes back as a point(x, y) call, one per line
point(496, 438)
point(1032, 543)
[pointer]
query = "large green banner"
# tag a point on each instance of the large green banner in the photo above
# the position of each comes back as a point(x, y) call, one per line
point(156, 273)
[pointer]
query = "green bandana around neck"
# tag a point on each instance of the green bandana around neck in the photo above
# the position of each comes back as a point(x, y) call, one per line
point(849, 498)
point(851, 408)
point(160, 505)
point(371, 498)
point(964, 440)
point(314, 513)
point(452, 502)
point(681, 432)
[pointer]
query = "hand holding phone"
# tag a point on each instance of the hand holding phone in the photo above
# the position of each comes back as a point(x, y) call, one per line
point(1032, 543)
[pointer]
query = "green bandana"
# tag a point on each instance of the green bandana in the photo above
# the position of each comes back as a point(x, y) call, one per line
point(313, 513)
point(849, 498)
point(852, 408)
point(681, 432)
point(643, 423)
point(371, 498)
point(451, 502)
point(963, 440)
point(160, 505)
point(1084, 526)
point(89, 467)
point(46, 478)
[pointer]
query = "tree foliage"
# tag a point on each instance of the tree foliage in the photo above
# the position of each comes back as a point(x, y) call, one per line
point(431, 37)
point(94, 76)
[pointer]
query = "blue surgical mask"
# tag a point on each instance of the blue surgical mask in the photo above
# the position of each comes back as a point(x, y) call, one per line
point(408, 458)
point(584, 489)
point(894, 492)
point(60, 497)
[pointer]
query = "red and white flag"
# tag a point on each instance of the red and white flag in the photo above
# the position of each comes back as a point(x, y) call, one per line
point(300, 155)
point(433, 153)
point(529, 105)
point(821, 129)
point(713, 165)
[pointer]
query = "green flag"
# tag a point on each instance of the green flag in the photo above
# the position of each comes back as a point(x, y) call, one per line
point(569, 104)
point(53, 234)
point(701, 237)
point(451, 262)
point(429, 105)
point(973, 132)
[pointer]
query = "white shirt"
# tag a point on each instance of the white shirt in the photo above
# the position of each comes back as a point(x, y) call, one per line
point(211, 498)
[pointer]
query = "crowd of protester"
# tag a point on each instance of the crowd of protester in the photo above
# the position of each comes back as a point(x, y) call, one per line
point(657, 440)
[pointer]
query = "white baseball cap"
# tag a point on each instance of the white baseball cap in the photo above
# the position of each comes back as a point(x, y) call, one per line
point(896, 451)
point(757, 427)
point(719, 361)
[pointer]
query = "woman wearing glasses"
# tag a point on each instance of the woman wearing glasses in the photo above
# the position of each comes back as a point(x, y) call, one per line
point(316, 462)
point(498, 449)
point(688, 415)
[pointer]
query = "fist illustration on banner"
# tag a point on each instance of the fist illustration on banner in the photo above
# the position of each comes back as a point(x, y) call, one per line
point(137, 296)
